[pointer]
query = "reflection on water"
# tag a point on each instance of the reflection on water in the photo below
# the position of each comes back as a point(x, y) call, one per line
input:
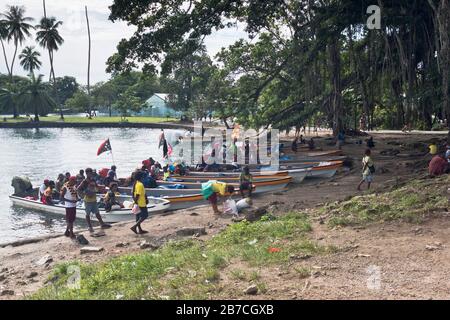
point(36, 133)
point(43, 153)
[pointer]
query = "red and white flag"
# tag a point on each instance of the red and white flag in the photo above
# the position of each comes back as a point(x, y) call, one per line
point(104, 147)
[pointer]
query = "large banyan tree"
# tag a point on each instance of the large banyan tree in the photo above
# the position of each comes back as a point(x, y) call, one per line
point(305, 62)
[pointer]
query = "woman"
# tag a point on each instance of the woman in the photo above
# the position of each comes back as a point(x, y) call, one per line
point(48, 194)
point(140, 198)
point(69, 196)
point(246, 182)
point(368, 170)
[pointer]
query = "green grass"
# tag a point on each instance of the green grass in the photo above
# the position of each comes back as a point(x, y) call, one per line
point(72, 119)
point(412, 203)
point(189, 269)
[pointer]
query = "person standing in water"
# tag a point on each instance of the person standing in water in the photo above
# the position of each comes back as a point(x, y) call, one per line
point(140, 198)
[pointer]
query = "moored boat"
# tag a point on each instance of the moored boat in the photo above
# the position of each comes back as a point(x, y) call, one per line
point(155, 206)
point(261, 186)
point(298, 172)
point(190, 195)
point(297, 175)
point(179, 198)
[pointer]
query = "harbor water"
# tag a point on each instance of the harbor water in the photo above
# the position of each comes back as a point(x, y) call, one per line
point(44, 153)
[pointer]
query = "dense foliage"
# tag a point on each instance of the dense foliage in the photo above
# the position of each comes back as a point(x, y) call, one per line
point(304, 61)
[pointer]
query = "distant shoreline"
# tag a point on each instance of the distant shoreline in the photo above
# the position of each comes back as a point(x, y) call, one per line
point(51, 124)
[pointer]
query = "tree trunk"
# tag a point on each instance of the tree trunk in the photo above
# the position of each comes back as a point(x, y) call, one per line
point(52, 73)
point(89, 61)
point(12, 63)
point(5, 56)
point(36, 114)
point(361, 79)
point(444, 27)
point(442, 24)
point(336, 96)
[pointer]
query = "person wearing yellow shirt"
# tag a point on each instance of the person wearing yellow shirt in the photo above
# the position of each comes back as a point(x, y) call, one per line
point(433, 149)
point(217, 189)
point(140, 198)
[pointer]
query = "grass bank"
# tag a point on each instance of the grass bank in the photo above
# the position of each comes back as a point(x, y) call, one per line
point(95, 120)
point(194, 269)
point(189, 269)
point(411, 202)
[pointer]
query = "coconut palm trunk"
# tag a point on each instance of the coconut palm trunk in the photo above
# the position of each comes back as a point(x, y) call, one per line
point(49, 38)
point(13, 61)
point(5, 56)
point(89, 62)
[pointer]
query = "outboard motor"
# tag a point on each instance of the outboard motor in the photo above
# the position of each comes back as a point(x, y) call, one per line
point(21, 185)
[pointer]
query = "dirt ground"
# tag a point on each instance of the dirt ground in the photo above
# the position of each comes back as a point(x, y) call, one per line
point(395, 260)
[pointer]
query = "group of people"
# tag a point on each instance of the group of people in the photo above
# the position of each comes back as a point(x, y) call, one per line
point(69, 190)
point(299, 140)
point(72, 190)
point(440, 162)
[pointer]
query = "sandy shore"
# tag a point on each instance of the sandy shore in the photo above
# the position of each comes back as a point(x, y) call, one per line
point(397, 249)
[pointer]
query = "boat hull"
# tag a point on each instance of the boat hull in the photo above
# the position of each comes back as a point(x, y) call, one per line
point(109, 217)
point(179, 198)
point(261, 186)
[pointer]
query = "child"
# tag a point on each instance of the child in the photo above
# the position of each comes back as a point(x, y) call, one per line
point(110, 197)
point(367, 171)
point(370, 143)
point(70, 198)
point(246, 182)
point(166, 173)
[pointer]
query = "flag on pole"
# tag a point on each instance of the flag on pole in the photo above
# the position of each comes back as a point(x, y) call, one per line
point(162, 139)
point(165, 149)
point(104, 147)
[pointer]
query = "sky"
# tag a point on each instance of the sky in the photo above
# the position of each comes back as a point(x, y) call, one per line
point(71, 58)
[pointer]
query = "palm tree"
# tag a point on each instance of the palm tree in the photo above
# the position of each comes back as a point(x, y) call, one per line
point(18, 29)
point(8, 100)
point(29, 59)
point(35, 97)
point(3, 37)
point(49, 38)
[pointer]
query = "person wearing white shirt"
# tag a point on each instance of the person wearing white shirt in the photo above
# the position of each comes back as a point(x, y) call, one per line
point(43, 187)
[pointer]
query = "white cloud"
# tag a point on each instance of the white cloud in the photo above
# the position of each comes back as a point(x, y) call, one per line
point(71, 59)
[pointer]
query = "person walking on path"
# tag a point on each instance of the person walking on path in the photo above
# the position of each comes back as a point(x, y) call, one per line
point(140, 198)
point(368, 170)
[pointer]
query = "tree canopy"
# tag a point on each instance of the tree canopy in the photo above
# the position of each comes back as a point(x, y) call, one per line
point(303, 61)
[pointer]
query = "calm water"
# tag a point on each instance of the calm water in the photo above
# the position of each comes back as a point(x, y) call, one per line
point(43, 153)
